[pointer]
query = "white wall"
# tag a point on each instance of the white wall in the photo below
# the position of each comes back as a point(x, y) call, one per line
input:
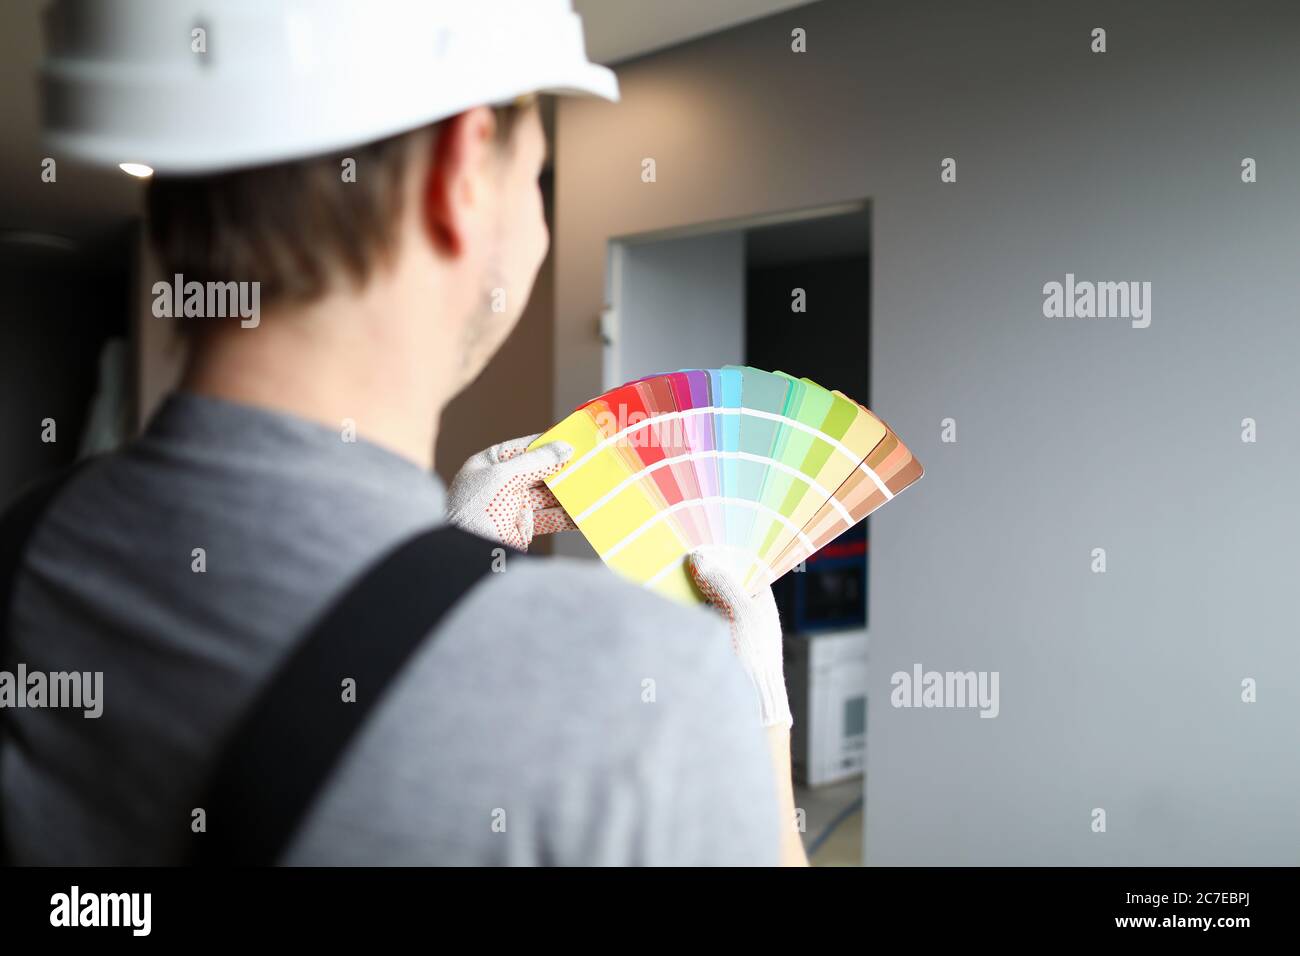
point(680, 304)
point(1118, 690)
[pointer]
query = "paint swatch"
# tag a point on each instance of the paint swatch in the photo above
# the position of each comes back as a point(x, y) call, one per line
point(761, 468)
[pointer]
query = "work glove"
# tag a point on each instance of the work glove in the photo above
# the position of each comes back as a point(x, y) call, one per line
point(498, 494)
point(755, 633)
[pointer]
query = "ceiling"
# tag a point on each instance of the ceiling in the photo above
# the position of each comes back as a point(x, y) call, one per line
point(618, 30)
point(85, 202)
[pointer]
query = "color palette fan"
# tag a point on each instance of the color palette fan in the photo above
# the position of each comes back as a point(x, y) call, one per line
point(759, 467)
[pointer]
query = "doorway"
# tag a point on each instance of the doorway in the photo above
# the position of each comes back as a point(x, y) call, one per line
point(789, 291)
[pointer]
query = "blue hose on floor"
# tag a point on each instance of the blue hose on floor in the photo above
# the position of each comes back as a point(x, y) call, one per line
point(840, 817)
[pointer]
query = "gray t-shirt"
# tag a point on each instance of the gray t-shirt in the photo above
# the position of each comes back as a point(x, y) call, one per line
point(559, 715)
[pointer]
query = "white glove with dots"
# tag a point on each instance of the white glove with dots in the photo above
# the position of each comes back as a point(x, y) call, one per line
point(498, 494)
point(755, 633)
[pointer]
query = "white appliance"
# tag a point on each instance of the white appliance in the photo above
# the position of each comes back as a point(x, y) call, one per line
point(826, 676)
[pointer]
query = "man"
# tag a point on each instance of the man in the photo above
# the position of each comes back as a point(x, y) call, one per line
point(556, 714)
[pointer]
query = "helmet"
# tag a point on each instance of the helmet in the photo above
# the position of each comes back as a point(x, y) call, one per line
point(200, 86)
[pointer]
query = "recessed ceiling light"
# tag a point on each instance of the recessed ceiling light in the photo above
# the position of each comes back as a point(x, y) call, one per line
point(136, 169)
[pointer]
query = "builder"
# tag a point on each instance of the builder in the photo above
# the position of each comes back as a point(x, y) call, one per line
point(510, 728)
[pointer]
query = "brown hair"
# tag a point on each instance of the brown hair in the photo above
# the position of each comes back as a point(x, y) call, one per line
point(291, 226)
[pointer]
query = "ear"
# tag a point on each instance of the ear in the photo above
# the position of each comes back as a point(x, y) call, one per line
point(456, 182)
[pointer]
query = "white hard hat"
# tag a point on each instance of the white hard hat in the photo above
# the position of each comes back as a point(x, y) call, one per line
point(190, 87)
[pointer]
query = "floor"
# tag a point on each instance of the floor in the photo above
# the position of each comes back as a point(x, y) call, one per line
point(833, 822)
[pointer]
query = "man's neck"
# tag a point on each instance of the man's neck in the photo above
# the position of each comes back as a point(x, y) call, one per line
point(327, 363)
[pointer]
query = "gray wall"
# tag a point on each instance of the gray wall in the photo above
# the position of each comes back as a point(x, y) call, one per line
point(1118, 690)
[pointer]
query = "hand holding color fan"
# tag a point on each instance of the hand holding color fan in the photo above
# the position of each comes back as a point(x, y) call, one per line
point(759, 469)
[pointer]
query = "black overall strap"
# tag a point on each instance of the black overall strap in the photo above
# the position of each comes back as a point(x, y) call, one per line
point(279, 758)
point(17, 526)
